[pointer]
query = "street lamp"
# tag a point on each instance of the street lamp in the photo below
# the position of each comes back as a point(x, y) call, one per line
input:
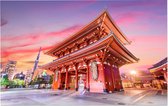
point(133, 73)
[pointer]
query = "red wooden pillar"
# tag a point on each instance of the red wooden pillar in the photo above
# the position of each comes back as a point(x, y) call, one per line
point(53, 87)
point(76, 78)
point(101, 60)
point(111, 81)
point(165, 75)
point(66, 79)
point(59, 82)
point(103, 77)
point(113, 77)
point(119, 79)
point(87, 79)
point(116, 78)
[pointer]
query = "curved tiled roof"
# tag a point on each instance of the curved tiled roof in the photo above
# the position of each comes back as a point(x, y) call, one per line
point(160, 63)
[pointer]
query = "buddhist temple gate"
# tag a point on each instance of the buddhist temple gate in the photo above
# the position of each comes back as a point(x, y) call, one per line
point(91, 58)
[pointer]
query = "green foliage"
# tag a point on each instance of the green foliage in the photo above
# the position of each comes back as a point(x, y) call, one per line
point(12, 84)
point(18, 82)
point(4, 81)
point(21, 82)
point(15, 82)
point(41, 80)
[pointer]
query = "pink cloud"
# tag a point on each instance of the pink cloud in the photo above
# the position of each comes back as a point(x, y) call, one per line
point(138, 20)
point(24, 53)
point(8, 52)
point(126, 18)
point(132, 17)
point(22, 42)
point(31, 39)
point(18, 45)
point(64, 32)
point(41, 36)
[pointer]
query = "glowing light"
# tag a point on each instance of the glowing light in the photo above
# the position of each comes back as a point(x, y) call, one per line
point(133, 72)
point(164, 69)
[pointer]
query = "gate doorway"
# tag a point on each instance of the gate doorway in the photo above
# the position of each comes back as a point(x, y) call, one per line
point(82, 82)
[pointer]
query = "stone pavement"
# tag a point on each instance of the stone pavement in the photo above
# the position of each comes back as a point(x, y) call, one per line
point(49, 97)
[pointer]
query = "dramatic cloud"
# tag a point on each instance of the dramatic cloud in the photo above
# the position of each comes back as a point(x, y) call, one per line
point(8, 53)
point(27, 40)
point(42, 36)
point(27, 44)
point(128, 18)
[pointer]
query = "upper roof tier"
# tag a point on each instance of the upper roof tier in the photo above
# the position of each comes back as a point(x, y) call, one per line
point(103, 18)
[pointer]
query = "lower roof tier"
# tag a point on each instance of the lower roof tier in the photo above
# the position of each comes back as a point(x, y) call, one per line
point(108, 44)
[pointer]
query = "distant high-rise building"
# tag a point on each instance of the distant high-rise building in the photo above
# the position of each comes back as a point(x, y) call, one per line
point(10, 68)
point(28, 76)
point(36, 63)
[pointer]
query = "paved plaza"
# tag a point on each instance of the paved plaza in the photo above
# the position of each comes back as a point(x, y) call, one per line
point(46, 97)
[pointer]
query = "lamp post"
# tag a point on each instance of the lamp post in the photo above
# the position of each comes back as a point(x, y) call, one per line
point(133, 74)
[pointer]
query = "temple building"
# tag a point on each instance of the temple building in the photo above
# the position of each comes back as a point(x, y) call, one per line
point(159, 71)
point(90, 59)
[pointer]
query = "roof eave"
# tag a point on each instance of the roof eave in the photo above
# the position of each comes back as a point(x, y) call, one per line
point(126, 50)
point(118, 29)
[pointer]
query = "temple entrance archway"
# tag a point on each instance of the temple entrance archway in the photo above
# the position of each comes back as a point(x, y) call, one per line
point(82, 82)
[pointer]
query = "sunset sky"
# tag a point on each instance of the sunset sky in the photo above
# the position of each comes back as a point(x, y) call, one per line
point(25, 26)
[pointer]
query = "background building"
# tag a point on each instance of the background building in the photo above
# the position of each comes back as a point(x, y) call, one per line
point(140, 79)
point(28, 77)
point(10, 68)
point(159, 71)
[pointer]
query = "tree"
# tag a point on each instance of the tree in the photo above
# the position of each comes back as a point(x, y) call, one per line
point(4, 81)
point(21, 82)
point(18, 82)
point(15, 81)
